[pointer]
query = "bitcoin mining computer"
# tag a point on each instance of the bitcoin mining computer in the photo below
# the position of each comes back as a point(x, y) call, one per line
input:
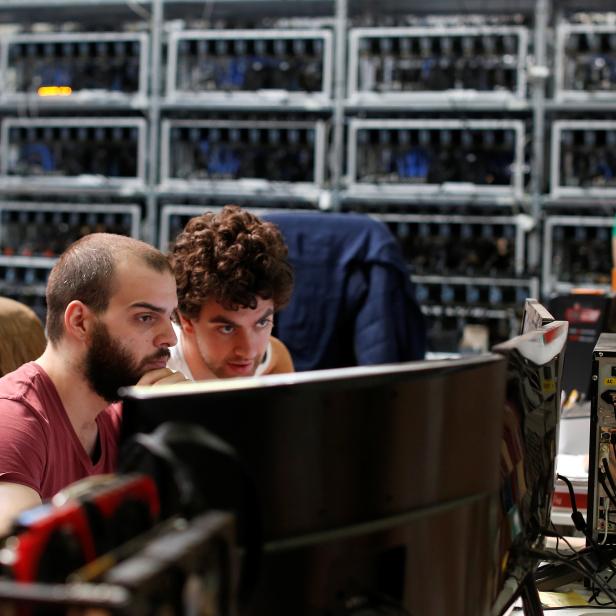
point(602, 452)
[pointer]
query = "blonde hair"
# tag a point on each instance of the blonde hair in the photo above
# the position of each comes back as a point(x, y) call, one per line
point(22, 337)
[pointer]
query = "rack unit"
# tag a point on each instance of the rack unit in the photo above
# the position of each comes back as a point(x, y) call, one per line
point(471, 293)
point(583, 158)
point(24, 227)
point(173, 219)
point(456, 244)
point(250, 67)
point(27, 252)
point(389, 65)
point(92, 152)
point(26, 275)
point(242, 156)
point(467, 269)
point(450, 304)
point(585, 68)
point(436, 156)
point(576, 253)
point(75, 67)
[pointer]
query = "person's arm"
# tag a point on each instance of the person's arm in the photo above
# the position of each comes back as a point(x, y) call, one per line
point(14, 498)
point(281, 358)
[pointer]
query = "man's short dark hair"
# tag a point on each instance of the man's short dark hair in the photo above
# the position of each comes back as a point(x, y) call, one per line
point(85, 272)
point(232, 257)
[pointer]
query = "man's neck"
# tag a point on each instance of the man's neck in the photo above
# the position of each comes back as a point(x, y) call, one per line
point(82, 405)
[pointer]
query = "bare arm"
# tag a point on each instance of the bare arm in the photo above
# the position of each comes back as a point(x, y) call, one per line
point(281, 358)
point(14, 498)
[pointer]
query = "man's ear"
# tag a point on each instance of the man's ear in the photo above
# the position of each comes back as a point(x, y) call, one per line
point(78, 320)
point(186, 324)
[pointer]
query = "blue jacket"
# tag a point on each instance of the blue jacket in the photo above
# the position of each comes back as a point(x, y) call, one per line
point(353, 302)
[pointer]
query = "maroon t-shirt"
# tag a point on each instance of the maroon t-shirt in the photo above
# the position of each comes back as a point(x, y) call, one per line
point(38, 445)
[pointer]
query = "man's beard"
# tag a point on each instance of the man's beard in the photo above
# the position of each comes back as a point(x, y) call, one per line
point(109, 365)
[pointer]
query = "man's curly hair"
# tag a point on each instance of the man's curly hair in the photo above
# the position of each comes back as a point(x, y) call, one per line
point(232, 257)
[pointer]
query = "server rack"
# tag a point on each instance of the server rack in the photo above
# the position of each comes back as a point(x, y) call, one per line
point(245, 67)
point(69, 65)
point(562, 238)
point(348, 33)
point(423, 63)
point(28, 249)
point(582, 164)
point(241, 170)
point(584, 63)
point(418, 154)
point(41, 151)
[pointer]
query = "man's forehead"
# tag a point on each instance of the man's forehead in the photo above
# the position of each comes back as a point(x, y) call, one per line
point(213, 309)
point(137, 282)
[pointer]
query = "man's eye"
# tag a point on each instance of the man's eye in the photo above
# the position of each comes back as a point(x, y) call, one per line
point(145, 318)
point(263, 323)
point(226, 329)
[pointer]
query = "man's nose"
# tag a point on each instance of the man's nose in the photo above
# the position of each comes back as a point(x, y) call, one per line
point(246, 344)
point(166, 338)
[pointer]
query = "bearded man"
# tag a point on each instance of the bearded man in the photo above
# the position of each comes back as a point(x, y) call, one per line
point(110, 300)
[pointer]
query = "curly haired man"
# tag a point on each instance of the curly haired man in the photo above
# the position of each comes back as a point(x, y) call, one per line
point(232, 275)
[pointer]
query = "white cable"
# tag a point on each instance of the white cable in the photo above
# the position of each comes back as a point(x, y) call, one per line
point(607, 521)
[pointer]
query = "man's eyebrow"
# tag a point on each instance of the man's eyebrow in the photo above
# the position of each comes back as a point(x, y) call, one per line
point(219, 318)
point(268, 313)
point(148, 306)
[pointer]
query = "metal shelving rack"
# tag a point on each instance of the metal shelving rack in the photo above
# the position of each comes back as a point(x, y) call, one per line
point(268, 106)
point(522, 106)
point(533, 103)
point(72, 200)
point(576, 211)
point(87, 14)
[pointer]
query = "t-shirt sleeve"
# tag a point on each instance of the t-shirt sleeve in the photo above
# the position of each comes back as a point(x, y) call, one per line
point(23, 445)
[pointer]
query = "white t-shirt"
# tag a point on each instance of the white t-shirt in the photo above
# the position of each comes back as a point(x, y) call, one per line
point(177, 361)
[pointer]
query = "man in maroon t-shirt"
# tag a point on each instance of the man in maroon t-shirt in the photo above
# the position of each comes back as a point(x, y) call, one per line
point(109, 305)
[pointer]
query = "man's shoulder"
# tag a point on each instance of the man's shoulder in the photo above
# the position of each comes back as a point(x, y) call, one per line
point(276, 345)
point(30, 388)
point(280, 360)
point(22, 384)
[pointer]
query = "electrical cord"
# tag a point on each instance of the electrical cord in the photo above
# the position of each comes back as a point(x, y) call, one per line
point(553, 532)
point(575, 553)
point(607, 522)
point(581, 567)
point(576, 516)
point(606, 488)
point(579, 559)
point(595, 594)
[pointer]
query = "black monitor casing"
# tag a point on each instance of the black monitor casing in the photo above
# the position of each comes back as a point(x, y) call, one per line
point(374, 481)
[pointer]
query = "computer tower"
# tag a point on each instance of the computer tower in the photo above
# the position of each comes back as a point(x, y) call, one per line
point(601, 522)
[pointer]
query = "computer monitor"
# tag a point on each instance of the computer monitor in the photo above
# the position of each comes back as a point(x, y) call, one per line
point(378, 484)
point(530, 444)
